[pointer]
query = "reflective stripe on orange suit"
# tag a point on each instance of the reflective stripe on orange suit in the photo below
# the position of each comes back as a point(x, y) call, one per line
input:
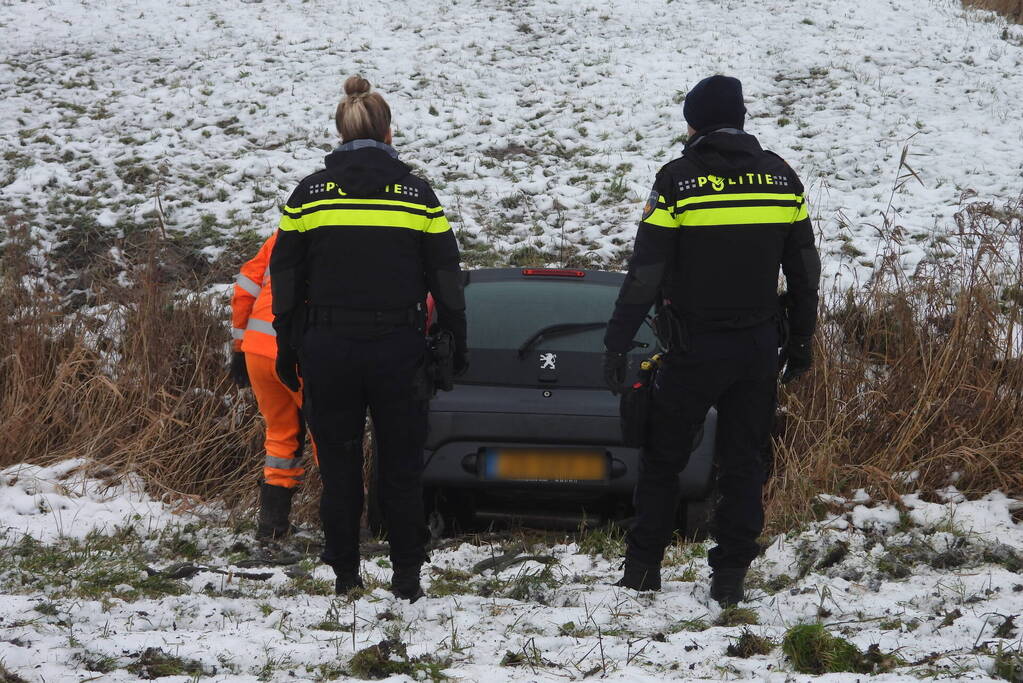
point(281, 408)
point(252, 320)
point(252, 305)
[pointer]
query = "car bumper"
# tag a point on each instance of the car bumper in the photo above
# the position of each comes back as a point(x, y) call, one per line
point(456, 464)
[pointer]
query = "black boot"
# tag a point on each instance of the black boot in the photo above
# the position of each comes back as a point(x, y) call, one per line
point(274, 512)
point(405, 583)
point(640, 578)
point(726, 585)
point(347, 580)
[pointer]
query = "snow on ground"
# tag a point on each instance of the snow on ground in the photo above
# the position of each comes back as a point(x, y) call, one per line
point(541, 124)
point(935, 583)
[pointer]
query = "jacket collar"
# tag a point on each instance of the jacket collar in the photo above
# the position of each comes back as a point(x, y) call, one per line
point(365, 143)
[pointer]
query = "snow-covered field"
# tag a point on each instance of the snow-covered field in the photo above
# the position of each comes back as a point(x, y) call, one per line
point(100, 582)
point(540, 123)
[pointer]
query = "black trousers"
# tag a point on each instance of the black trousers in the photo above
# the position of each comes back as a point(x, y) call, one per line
point(343, 375)
point(736, 371)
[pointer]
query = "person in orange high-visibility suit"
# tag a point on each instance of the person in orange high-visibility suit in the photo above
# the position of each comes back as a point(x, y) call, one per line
point(252, 363)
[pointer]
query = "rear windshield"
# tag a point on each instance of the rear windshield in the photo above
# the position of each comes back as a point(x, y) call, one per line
point(503, 315)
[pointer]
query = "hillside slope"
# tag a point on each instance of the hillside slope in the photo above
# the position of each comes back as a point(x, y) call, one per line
point(541, 124)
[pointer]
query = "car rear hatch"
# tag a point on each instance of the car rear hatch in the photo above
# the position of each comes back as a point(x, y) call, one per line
point(534, 393)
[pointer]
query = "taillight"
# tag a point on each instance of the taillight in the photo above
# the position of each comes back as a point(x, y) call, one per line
point(553, 272)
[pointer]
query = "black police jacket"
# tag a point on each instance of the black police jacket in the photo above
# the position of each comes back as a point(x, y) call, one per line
point(365, 234)
point(719, 223)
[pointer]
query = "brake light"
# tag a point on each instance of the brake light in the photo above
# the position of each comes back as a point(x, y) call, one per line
point(553, 272)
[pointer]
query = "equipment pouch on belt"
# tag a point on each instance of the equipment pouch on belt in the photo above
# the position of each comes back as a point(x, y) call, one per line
point(634, 407)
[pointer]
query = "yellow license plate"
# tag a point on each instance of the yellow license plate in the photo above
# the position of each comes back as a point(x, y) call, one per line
point(515, 464)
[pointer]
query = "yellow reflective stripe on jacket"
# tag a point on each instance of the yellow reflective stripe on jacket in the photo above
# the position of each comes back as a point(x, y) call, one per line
point(720, 209)
point(747, 215)
point(803, 212)
point(739, 197)
point(341, 213)
point(290, 224)
point(364, 218)
point(660, 217)
point(438, 225)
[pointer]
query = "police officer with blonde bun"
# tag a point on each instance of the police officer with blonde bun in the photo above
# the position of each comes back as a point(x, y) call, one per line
point(361, 243)
point(721, 221)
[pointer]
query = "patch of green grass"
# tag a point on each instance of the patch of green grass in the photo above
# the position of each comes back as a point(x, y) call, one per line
point(93, 568)
point(47, 609)
point(570, 629)
point(532, 586)
point(527, 256)
point(617, 188)
point(450, 582)
point(778, 583)
point(331, 626)
point(103, 664)
point(890, 625)
point(737, 616)
point(306, 585)
point(607, 541)
point(812, 650)
point(8, 676)
point(689, 626)
point(1008, 664)
point(683, 552)
point(154, 663)
point(836, 553)
point(390, 658)
point(950, 618)
point(1007, 628)
point(749, 644)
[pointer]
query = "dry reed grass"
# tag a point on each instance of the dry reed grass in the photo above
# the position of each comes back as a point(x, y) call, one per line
point(137, 384)
point(1013, 9)
point(918, 373)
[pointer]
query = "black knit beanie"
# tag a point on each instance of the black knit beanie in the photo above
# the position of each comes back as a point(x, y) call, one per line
point(715, 101)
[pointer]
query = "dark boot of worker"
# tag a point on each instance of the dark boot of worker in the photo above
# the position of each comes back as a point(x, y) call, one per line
point(726, 585)
point(347, 580)
point(274, 512)
point(405, 583)
point(640, 578)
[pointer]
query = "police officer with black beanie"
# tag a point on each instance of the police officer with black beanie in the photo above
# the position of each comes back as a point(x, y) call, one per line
point(720, 222)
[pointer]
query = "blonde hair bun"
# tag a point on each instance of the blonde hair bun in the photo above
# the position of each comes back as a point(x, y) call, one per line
point(362, 114)
point(356, 85)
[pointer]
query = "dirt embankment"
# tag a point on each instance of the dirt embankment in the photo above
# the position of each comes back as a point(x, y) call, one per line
point(1013, 9)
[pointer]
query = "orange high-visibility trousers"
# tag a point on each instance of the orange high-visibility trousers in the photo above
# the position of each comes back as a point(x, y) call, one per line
point(285, 430)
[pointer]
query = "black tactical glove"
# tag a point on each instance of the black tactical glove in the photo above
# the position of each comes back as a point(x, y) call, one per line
point(461, 361)
point(287, 367)
point(239, 371)
point(614, 371)
point(796, 357)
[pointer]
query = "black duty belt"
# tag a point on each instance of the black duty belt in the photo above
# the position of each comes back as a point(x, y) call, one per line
point(336, 316)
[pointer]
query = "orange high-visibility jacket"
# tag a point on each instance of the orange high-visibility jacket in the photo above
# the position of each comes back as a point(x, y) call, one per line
point(252, 306)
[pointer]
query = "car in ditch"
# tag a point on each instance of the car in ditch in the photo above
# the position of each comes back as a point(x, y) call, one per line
point(531, 434)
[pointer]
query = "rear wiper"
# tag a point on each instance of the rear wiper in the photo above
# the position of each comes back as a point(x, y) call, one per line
point(555, 331)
